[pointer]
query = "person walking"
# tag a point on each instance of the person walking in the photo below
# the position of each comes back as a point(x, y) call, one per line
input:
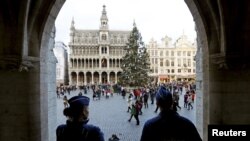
point(168, 125)
point(145, 98)
point(65, 101)
point(135, 112)
point(189, 102)
point(76, 127)
point(130, 100)
point(186, 99)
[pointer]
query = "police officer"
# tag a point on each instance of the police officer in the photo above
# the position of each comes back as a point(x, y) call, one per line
point(76, 127)
point(168, 125)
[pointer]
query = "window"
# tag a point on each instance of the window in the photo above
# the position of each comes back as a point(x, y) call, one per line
point(167, 63)
point(184, 53)
point(172, 71)
point(104, 37)
point(189, 62)
point(189, 53)
point(161, 62)
point(172, 53)
point(156, 61)
point(172, 62)
point(179, 53)
point(167, 53)
point(184, 62)
point(161, 53)
point(179, 70)
point(189, 70)
point(104, 50)
point(179, 62)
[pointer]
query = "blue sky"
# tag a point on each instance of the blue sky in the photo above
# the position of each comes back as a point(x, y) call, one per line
point(154, 18)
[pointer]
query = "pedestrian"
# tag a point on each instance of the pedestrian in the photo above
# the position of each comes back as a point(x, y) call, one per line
point(57, 92)
point(168, 125)
point(145, 98)
point(65, 101)
point(193, 95)
point(152, 95)
point(176, 100)
point(76, 127)
point(123, 93)
point(189, 102)
point(186, 99)
point(130, 100)
point(135, 112)
point(114, 138)
point(80, 93)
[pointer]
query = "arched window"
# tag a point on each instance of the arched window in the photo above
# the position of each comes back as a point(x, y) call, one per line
point(104, 37)
point(161, 62)
point(167, 63)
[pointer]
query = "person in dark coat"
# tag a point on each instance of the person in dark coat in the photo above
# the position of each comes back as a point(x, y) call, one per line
point(168, 125)
point(76, 127)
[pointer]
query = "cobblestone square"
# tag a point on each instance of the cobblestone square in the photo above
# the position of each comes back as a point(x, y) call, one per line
point(112, 117)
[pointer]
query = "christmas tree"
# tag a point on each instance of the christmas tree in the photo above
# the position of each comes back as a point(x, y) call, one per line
point(135, 64)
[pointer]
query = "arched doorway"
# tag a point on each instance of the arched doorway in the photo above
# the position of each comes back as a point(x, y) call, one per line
point(96, 78)
point(81, 78)
point(73, 78)
point(104, 78)
point(119, 76)
point(35, 36)
point(89, 77)
point(112, 77)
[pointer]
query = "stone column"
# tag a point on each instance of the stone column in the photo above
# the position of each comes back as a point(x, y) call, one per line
point(77, 64)
point(100, 78)
point(77, 78)
point(21, 83)
point(108, 75)
point(108, 63)
point(116, 77)
point(85, 78)
point(92, 63)
point(92, 78)
point(100, 63)
point(70, 79)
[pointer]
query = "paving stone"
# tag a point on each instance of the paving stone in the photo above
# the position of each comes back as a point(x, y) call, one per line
point(112, 117)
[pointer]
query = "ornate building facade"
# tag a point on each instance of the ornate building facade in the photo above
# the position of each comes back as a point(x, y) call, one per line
point(96, 55)
point(61, 54)
point(172, 62)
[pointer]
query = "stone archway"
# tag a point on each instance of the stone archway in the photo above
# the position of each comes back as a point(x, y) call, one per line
point(73, 78)
point(81, 79)
point(28, 64)
point(119, 76)
point(112, 77)
point(89, 77)
point(96, 78)
point(104, 77)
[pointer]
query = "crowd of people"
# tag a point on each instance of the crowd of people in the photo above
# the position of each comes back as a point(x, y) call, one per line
point(137, 98)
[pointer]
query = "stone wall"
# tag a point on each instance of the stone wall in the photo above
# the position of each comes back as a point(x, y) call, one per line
point(48, 76)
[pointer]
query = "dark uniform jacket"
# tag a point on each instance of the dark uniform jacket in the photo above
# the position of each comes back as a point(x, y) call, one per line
point(75, 131)
point(169, 126)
